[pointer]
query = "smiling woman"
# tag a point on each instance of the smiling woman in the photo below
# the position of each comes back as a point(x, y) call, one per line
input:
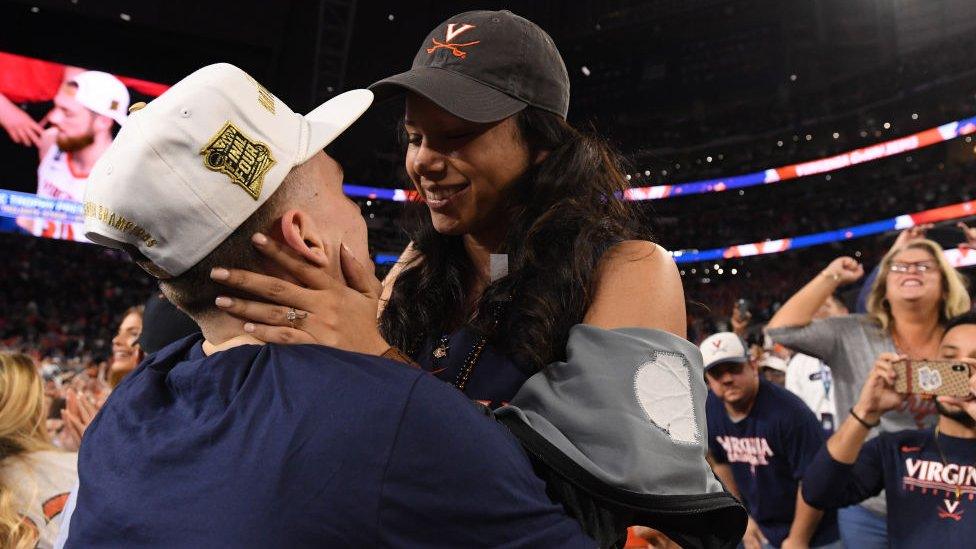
point(126, 353)
point(914, 295)
point(527, 270)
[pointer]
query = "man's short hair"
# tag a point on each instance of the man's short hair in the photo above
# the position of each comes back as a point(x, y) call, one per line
point(194, 291)
point(960, 320)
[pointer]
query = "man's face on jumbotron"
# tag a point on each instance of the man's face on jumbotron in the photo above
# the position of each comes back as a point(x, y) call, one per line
point(76, 124)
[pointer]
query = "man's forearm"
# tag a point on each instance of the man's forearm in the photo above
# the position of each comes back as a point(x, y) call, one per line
point(724, 473)
point(846, 443)
point(805, 521)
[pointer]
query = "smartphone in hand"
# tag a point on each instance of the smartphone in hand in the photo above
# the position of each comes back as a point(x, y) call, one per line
point(932, 378)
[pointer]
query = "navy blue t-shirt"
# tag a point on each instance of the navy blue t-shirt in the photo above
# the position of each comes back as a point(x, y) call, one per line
point(494, 379)
point(303, 446)
point(768, 451)
point(923, 509)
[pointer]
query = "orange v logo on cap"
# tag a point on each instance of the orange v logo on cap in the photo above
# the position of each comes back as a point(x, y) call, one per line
point(452, 32)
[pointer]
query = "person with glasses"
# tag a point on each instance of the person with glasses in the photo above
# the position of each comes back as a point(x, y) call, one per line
point(761, 438)
point(914, 294)
point(929, 475)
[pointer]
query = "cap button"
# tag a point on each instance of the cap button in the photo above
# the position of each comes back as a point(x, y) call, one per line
point(136, 106)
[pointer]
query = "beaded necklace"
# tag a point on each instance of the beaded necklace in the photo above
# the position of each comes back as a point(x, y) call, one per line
point(474, 355)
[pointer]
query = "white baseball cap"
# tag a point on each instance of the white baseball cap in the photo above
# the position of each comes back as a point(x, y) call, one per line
point(102, 93)
point(189, 168)
point(769, 360)
point(721, 348)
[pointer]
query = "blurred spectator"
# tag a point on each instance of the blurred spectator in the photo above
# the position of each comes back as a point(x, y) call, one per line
point(810, 378)
point(916, 291)
point(760, 438)
point(126, 353)
point(773, 369)
point(35, 478)
point(927, 475)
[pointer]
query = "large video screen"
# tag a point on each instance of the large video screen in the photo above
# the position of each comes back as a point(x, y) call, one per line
point(56, 122)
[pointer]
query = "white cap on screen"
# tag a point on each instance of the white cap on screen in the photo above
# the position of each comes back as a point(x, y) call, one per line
point(102, 93)
point(189, 168)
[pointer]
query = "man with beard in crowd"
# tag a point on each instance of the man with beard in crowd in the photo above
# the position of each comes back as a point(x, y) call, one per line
point(929, 475)
point(86, 109)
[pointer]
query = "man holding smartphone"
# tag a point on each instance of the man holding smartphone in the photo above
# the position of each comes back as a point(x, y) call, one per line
point(929, 475)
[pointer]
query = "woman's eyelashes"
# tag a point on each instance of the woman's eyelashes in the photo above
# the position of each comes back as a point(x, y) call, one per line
point(416, 139)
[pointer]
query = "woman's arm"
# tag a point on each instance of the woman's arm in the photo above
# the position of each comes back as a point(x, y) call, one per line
point(637, 285)
point(800, 308)
point(406, 259)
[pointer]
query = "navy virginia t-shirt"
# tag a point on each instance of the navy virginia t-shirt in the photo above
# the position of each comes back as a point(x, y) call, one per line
point(303, 446)
point(930, 501)
point(769, 450)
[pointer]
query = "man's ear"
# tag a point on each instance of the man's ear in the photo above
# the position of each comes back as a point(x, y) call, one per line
point(102, 123)
point(301, 235)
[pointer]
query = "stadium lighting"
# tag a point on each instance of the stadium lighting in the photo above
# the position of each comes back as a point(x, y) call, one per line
point(779, 143)
point(708, 158)
point(735, 271)
point(664, 172)
point(887, 125)
point(914, 116)
point(836, 135)
point(628, 177)
point(585, 70)
point(390, 17)
point(792, 78)
point(809, 137)
point(647, 172)
point(716, 266)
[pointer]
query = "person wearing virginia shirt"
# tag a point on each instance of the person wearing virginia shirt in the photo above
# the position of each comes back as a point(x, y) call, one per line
point(761, 438)
point(929, 475)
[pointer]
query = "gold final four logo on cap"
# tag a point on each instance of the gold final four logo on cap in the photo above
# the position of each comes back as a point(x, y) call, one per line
point(240, 158)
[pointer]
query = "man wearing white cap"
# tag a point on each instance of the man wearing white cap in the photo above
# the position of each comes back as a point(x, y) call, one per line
point(86, 109)
point(219, 440)
point(761, 438)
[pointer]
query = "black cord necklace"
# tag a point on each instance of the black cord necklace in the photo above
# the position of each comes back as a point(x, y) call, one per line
point(945, 462)
point(441, 351)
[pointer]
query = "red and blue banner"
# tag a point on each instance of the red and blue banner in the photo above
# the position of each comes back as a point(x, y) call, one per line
point(877, 151)
point(935, 215)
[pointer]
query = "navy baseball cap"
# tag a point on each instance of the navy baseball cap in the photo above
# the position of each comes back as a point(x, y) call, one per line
point(485, 66)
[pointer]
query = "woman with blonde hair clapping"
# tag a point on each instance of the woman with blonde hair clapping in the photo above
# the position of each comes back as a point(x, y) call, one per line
point(35, 478)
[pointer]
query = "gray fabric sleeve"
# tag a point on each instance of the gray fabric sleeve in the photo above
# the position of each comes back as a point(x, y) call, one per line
point(628, 406)
point(820, 338)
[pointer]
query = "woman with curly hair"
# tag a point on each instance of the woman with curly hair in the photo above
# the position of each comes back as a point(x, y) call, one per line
point(35, 477)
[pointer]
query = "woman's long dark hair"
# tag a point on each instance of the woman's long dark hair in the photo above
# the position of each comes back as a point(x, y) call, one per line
point(564, 213)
